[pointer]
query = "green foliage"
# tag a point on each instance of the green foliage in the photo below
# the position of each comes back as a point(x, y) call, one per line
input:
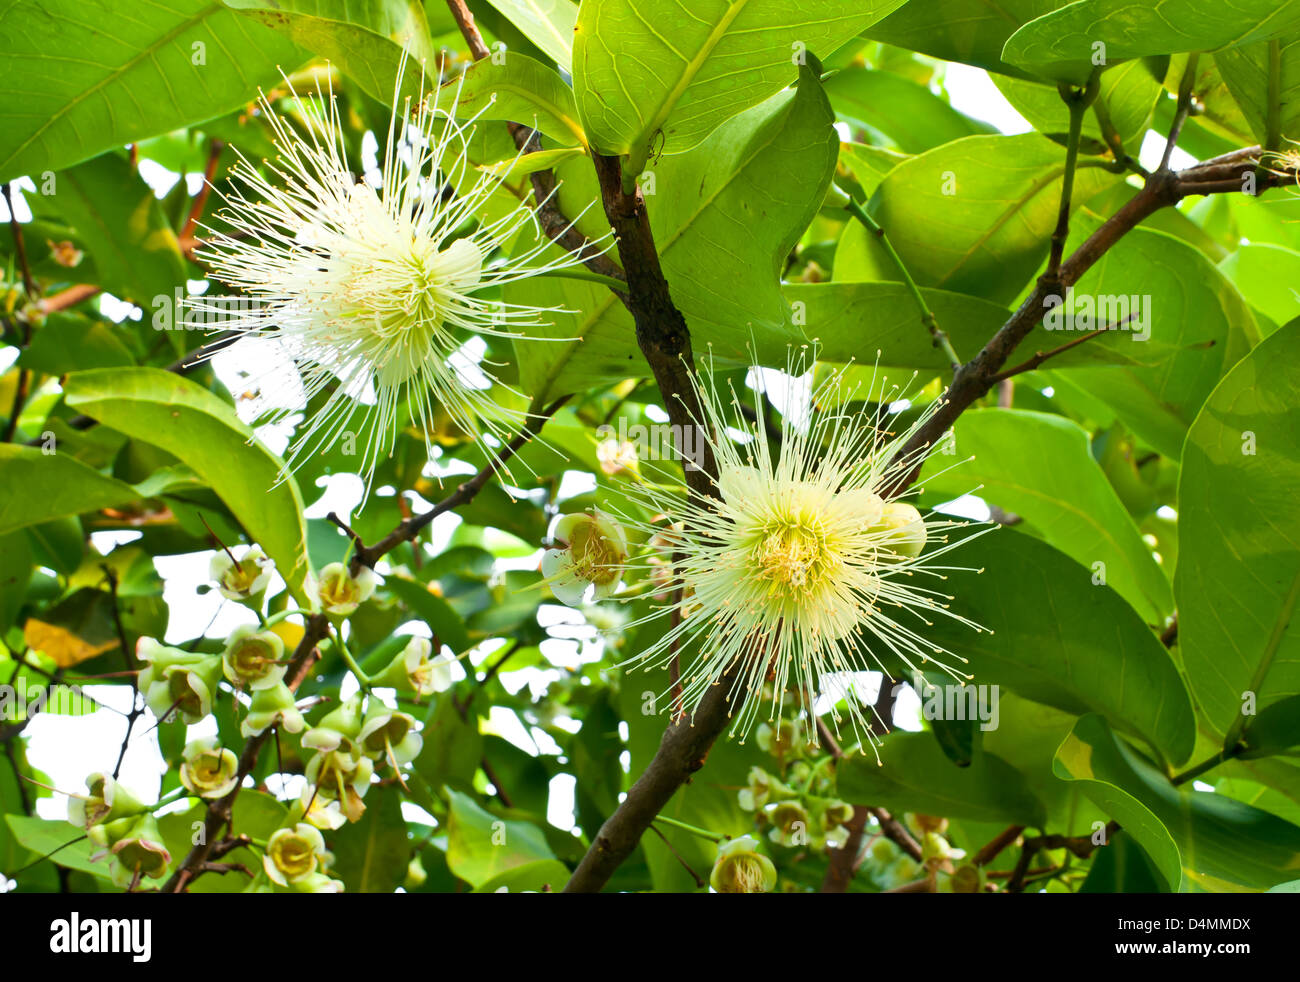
point(813, 181)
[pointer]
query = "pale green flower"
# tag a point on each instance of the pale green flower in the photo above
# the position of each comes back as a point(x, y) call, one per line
point(208, 769)
point(253, 659)
point(741, 868)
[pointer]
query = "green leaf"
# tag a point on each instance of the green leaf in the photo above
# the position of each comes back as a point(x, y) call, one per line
point(1196, 839)
point(1068, 44)
point(1040, 466)
point(1274, 730)
point(443, 621)
point(1128, 93)
point(1264, 78)
point(548, 24)
point(197, 427)
point(523, 90)
point(545, 875)
point(364, 38)
point(452, 747)
point(15, 571)
point(996, 200)
point(727, 285)
point(116, 215)
point(1122, 867)
point(71, 343)
point(371, 855)
point(915, 775)
point(1191, 309)
point(1058, 638)
point(37, 487)
point(1239, 536)
point(1264, 274)
point(653, 76)
point(910, 115)
point(43, 836)
point(481, 846)
point(81, 77)
point(970, 31)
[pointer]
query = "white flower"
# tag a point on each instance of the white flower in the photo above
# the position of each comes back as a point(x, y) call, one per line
point(208, 769)
point(593, 551)
point(338, 592)
point(239, 580)
point(374, 284)
point(801, 572)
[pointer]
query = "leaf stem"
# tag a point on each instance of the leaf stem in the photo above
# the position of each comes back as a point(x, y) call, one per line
point(702, 833)
point(927, 315)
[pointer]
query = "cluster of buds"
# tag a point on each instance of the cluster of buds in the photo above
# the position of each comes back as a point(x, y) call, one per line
point(590, 554)
point(122, 828)
point(798, 811)
point(889, 867)
point(348, 742)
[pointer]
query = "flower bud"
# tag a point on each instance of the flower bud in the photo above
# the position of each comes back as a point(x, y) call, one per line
point(340, 777)
point(593, 549)
point(902, 531)
point(139, 850)
point(243, 579)
point(177, 681)
point(967, 879)
point(272, 707)
point(107, 801)
point(337, 729)
point(339, 592)
point(389, 734)
point(741, 868)
point(317, 883)
point(790, 823)
point(787, 738)
point(208, 770)
point(253, 659)
point(293, 854)
point(412, 670)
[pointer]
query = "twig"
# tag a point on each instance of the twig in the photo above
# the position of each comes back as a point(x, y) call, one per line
point(1078, 100)
point(1183, 108)
point(940, 338)
point(136, 708)
point(411, 527)
point(699, 880)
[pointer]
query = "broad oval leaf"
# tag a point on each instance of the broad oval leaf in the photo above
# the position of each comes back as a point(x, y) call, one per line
point(655, 76)
point(1239, 536)
point(197, 427)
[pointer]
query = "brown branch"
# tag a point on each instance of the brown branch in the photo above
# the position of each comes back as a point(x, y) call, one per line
point(1041, 356)
point(994, 846)
point(411, 527)
point(1162, 190)
point(201, 199)
point(20, 249)
point(552, 220)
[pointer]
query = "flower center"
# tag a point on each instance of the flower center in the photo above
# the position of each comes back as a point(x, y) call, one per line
point(597, 559)
point(793, 556)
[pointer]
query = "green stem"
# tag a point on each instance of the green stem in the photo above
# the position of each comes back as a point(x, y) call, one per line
point(586, 275)
point(362, 678)
point(927, 315)
point(277, 617)
point(1077, 101)
point(702, 833)
point(1201, 768)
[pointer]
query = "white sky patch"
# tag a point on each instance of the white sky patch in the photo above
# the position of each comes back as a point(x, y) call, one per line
point(967, 506)
point(560, 802)
point(1153, 149)
point(971, 91)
